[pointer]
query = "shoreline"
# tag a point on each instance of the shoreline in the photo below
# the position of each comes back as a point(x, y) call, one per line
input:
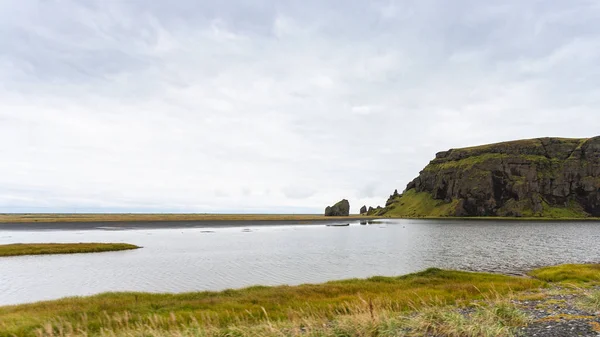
point(106, 224)
point(138, 225)
point(31, 218)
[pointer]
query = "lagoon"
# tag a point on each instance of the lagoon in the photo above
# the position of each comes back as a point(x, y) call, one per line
point(181, 257)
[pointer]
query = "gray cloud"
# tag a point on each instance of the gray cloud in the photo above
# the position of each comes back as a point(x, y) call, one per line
point(131, 105)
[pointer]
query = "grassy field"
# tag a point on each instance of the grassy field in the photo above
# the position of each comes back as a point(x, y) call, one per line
point(378, 306)
point(17, 249)
point(113, 217)
point(429, 302)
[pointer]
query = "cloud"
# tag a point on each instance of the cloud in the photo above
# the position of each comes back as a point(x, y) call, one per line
point(298, 192)
point(199, 106)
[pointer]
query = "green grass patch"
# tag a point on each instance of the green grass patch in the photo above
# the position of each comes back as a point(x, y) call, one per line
point(574, 210)
point(571, 273)
point(415, 204)
point(61, 248)
point(283, 305)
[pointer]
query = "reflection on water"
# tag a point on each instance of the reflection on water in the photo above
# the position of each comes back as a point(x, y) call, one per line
point(189, 259)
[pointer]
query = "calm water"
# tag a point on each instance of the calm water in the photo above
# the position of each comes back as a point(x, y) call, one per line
point(189, 259)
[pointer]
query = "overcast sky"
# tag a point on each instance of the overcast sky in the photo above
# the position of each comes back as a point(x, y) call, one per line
point(275, 106)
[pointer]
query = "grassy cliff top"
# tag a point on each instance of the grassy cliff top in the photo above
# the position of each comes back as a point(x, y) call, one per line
point(551, 148)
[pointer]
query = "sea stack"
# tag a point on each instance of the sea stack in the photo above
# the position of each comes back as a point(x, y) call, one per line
point(341, 208)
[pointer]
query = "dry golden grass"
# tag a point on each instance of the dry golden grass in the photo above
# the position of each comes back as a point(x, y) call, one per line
point(497, 318)
point(352, 305)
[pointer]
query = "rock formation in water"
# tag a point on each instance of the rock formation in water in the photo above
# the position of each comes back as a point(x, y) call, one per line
point(548, 177)
point(363, 210)
point(342, 208)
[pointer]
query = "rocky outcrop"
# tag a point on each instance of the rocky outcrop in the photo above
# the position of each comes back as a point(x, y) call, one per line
point(553, 177)
point(392, 198)
point(341, 208)
point(363, 210)
point(375, 211)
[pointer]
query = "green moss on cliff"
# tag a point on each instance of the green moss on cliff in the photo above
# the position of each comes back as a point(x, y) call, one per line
point(573, 210)
point(414, 205)
point(465, 163)
point(525, 143)
point(524, 178)
point(513, 208)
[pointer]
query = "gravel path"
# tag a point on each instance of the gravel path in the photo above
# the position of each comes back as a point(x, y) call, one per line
point(559, 314)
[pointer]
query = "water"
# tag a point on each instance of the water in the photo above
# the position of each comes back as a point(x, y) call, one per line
point(192, 259)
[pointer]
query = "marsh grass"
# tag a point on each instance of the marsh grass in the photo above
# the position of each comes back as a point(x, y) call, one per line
point(17, 249)
point(568, 273)
point(372, 304)
point(590, 301)
point(497, 318)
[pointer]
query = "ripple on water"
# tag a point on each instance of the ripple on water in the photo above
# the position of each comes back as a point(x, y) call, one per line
point(177, 260)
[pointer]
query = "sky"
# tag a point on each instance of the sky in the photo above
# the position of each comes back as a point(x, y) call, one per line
point(269, 106)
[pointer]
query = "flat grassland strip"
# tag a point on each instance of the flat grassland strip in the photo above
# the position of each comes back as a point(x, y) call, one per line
point(133, 217)
point(17, 249)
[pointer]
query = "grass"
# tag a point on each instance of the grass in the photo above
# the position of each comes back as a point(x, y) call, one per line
point(568, 273)
point(114, 217)
point(61, 248)
point(529, 143)
point(591, 301)
point(343, 306)
point(419, 204)
point(414, 204)
point(499, 318)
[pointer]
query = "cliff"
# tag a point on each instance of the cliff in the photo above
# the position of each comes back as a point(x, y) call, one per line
point(547, 177)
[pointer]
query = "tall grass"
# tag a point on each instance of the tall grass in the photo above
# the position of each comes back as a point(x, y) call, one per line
point(591, 301)
point(498, 318)
point(328, 308)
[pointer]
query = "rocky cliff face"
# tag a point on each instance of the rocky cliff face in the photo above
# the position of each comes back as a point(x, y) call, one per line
point(553, 177)
point(341, 208)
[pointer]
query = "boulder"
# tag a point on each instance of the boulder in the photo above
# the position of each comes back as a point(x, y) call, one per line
point(341, 208)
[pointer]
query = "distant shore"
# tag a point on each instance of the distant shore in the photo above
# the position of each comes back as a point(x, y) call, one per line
point(166, 217)
point(158, 221)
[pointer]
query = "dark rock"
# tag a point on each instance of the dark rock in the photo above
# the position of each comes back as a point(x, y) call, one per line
point(534, 177)
point(342, 208)
point(394, 197)
point(363, 210)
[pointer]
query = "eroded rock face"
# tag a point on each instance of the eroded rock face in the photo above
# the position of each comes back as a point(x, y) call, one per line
point(341, 208)
point(519, 178)
point(363, 210)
